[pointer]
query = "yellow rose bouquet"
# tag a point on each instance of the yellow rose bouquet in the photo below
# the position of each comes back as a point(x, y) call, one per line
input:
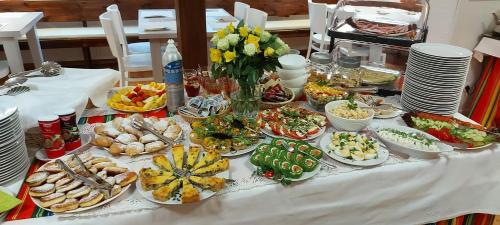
point(244, 53)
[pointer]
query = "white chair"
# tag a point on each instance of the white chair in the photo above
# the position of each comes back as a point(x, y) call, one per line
point(240, 10)
point(256, 18)
point(133, 48)
point(317, 21)
point(4, 69)
point(126, 63)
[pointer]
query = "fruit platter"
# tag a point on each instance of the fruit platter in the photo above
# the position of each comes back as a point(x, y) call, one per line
point(275, 161)
point(231, 135)
point(139, 98)
point(52, 189)
point(354, 149)
point(175, 179)
point(449, 129)
point(292, 122)
point(119, 137)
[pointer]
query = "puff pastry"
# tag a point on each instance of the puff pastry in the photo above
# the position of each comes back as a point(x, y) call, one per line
point(126, 138)
point(134, 148)
point(148, 138)
point(154, 146)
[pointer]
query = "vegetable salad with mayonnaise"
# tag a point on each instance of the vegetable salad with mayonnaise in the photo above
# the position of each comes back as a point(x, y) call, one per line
point(408, 140)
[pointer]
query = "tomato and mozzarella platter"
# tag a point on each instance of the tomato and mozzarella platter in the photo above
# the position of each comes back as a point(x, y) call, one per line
point(291, 122)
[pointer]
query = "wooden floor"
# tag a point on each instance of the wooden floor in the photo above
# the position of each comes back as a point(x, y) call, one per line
point(497, 220)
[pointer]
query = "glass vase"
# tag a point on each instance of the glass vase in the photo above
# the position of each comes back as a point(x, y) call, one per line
point(245, 100)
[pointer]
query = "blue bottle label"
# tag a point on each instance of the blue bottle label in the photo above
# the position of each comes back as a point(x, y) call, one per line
point(173, 72)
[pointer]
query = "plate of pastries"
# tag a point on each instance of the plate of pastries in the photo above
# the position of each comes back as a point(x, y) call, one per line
point(119, 137)
point(183, 176)
point(52, 189)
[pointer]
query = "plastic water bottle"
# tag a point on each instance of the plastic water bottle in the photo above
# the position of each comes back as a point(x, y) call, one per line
point(172, 71)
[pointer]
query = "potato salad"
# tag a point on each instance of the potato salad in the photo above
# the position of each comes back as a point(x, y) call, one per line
point(350, 111)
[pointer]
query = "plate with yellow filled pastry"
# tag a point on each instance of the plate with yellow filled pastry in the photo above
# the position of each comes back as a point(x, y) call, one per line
point(199, 176)
point(52, 189)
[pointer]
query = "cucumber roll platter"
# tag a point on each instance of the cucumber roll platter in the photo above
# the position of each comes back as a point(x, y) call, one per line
point(286, 160)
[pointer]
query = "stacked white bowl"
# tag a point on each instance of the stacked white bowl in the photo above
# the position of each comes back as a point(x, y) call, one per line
point(13, 153)
point(293, 75)
point(435, 78)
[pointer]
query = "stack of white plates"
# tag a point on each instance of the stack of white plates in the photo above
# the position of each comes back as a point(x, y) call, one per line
point(293, 75)
point(13, 153)
point(435, 78)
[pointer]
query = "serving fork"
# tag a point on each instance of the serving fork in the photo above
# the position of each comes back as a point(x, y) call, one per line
point(139, 123)
point(91, 183)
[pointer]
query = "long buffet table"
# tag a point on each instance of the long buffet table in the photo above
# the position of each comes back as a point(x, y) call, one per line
point(401, 191)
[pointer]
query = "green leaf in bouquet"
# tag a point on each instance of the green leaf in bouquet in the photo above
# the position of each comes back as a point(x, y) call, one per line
point(240, 24)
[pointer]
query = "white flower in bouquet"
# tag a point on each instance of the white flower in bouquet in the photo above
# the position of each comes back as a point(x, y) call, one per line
point(214, 39)
point(249, 49)
point(265, 36)
point(223, 44)
point(233, 39)
point(284, 49)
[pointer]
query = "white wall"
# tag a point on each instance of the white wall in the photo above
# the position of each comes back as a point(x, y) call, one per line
point(461, 23)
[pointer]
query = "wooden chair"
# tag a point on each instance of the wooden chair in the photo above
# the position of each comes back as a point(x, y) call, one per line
point(240, 10)
point(133, 48)
point(317, 33)
point(256, 18)
point(126, 63)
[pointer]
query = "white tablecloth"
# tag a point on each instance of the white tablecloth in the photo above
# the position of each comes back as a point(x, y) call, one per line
point(71, 89)
point(400, 192)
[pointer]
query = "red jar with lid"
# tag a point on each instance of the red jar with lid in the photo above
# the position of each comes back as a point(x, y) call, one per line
point(53, 143)
point(69, 129)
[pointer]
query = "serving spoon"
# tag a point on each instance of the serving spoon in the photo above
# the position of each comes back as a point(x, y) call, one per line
point(47, 69)
point(17, 90)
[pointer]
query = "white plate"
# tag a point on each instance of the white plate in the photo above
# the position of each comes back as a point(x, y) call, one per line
point(410, 151)
point(271, 134)
point(251, 148)
point(6, 112)
point(9, 120)
point(15, 173)
point(124, 189)
point(442, 50)
point(40, 154)
point(204, 194)
point(395, 113)
point(132, 111)
point(383, 154)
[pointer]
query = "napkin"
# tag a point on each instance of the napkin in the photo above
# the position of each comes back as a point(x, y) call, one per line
point(7, 202)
